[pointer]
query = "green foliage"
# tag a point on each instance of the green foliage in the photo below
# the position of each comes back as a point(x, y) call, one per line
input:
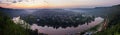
point(114, 30)
point(7, 27)
point(113, 27)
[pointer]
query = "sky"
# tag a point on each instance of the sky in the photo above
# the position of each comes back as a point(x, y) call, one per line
point(57, 3)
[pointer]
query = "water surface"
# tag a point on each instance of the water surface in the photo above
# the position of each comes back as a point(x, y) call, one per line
point(68, 30)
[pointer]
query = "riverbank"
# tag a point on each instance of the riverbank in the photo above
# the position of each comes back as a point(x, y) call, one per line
point(112, 26)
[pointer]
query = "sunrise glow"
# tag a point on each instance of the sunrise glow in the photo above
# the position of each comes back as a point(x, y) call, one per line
point(57, 3)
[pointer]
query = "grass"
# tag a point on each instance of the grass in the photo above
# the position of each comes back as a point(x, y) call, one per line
point(8, 27)
point(112, 29)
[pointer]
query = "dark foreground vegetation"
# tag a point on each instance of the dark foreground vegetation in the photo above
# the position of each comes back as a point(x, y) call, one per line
point(112, 15)
point(113, 26)
point(8, 27)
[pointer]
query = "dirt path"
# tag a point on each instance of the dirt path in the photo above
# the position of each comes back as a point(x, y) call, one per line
point(104, 25)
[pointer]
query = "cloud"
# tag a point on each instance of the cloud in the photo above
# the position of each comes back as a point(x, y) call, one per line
point(62, 3)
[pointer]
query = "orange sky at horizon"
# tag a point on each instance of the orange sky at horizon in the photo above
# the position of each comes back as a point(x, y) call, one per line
point(60, 3)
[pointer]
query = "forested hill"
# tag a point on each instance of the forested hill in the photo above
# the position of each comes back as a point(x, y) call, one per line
point(101, 11)
point(113, 26)
point(98, 11)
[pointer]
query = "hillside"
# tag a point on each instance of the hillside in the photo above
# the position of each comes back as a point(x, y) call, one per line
point(7, 27)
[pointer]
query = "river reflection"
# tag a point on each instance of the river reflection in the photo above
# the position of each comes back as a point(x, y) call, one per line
point(55, 21)
point(68, 30)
